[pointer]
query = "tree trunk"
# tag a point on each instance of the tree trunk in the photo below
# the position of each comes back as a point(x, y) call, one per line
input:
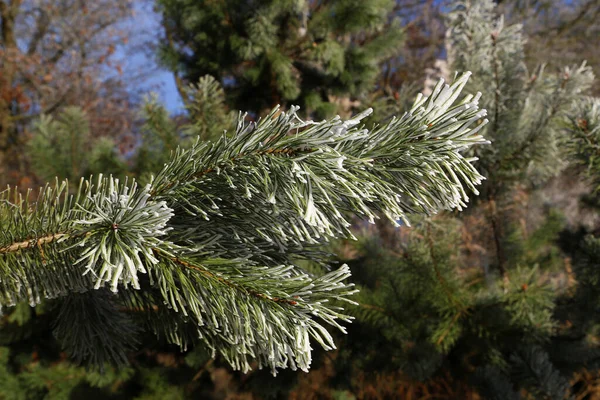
point(498, 235)
point(9, 49)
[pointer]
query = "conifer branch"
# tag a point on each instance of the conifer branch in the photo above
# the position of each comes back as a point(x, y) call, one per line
point(212, 239)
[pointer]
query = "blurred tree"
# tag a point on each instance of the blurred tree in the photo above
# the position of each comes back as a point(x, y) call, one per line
point(318, 54)
point(423, 310)
point(55, 53)
point(526, 111)
point(64, 148)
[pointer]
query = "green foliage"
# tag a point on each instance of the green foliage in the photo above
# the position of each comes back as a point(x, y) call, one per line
point(527, 113)
point(575, 346)
point(36, 380)
point(63, 147)
point(281, 51)
point(207, 110)
point(222, 251)
point(160, 138)
point(412, 299)
point(428, 306)
point(538, 246)
point(156, 388)
point(385, 105)
point(533, 367)
point(9, 383)
point(92, 330)
point(429, 310)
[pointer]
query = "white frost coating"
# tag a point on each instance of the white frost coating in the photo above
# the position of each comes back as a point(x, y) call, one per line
point(122, 225)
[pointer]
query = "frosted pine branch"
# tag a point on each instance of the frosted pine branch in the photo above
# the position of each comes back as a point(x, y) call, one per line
point(206, 251)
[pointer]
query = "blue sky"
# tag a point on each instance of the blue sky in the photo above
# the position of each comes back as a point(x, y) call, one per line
point(144, 25)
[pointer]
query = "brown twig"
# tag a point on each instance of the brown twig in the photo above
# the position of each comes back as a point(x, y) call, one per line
point(14, 247)
point(496, 231)
point(447, 330)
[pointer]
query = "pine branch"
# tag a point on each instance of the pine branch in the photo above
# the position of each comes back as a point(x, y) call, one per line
point(90, 328)
point(583, 136)
point(533, 369)
point(209, 245)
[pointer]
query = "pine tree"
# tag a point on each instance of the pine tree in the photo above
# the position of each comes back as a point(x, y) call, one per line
point(561, 28)
point(208, 251)
point(315, 54)
point(432, 313)
point(583, 140)
point(63, 148)
point(207, 110)
point(526, 109)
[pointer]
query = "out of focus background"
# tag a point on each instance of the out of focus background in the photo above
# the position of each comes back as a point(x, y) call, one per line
point(499, 301)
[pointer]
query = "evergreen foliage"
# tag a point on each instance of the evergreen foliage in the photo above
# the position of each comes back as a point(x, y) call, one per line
point(26, 377)
point(527, 112)
point(434, 312)
point(63, 147)
point(207, 110)
point(206, 252)
point(575, 345)
point(583, 139)
point(281, 51)
point(160, 138)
